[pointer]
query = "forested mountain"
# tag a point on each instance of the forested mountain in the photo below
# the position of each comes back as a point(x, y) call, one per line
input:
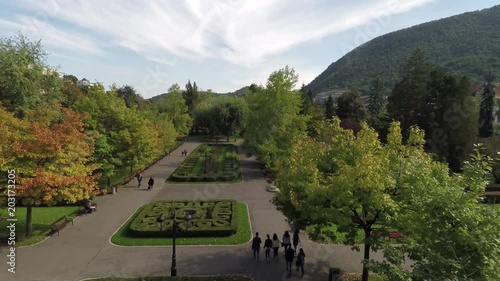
point(466, 44)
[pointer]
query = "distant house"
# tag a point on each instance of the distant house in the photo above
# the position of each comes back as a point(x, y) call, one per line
point(86, 83)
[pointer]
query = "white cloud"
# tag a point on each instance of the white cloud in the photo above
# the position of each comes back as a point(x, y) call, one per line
point(238, 31)
point(161, 60)
point(51, 35)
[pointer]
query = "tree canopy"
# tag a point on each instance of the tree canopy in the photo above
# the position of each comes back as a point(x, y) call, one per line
point(356, 182)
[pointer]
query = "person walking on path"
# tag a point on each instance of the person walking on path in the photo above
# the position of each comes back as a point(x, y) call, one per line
point(139, 179)
point(286, 240)
point(151, 182)
point(276, 245)
point(289, 255)
point(256, 241)
point(296, 240)
point(268, 244)
point(301, 259)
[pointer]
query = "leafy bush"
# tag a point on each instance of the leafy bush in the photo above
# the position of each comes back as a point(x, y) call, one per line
point(215, 218)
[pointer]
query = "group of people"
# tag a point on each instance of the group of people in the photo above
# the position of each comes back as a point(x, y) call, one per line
point(151, 181)
point(184, 152)
point(286, 242)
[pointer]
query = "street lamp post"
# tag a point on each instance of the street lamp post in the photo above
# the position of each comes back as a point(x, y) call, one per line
point(175, 229)
point(205, 156)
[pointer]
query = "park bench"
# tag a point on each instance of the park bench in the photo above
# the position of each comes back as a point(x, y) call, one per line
point(84, 210)
point(60, 224)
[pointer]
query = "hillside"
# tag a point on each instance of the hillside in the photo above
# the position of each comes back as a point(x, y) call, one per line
point(466, 44)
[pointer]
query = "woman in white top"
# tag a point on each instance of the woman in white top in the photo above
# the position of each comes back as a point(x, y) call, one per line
point(286, 240)
point(276, 245)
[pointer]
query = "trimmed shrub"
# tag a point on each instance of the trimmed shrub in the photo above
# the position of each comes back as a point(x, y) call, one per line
point(222, 164)
point(215, 218)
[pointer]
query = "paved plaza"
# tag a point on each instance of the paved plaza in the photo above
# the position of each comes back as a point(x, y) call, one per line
point(84, 250)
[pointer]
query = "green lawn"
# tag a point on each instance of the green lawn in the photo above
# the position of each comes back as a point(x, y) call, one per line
point(330, 234)
point(168, 278)
point(241, 237)
point(42, 218)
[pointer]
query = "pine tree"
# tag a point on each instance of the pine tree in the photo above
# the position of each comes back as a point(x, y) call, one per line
point(487, 106)
point(408, 98)
point(191, 95)
point(330, 108)
point(376, 99)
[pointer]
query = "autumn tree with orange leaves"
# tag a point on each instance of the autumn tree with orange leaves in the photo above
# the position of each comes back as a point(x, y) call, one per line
point(54, 160)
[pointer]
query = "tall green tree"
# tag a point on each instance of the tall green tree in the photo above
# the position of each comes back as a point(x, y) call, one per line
point(349, 105)
point(346, 179)
point(124, 136)
point(406, 102)
point(356, 182)
point(26, 80)
point(176, 109)
point(486, 114)
point(191, 95)
point(376, 101)
point(230, 114)
point(450, 123)
point(222, 115)
point(307, 100)
point(129, 95)
point(450, 235)
point(274, 117)
point(330, 108)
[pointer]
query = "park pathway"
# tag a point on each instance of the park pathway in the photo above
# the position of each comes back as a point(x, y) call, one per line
point(84, 251)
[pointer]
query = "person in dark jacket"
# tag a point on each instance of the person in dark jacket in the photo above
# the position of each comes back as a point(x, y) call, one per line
point(289, 255)
point(139, 179)
point(301, 259)
point(268, 244)
point(256, 241)
point(151, 182)
point(295, 240)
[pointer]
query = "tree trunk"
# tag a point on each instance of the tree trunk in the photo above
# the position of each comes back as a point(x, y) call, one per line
point(366, 256)
point(228, 138)
point(109, 181)
point(29, 225)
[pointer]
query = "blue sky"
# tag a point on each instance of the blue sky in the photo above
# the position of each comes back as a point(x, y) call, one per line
point(223, 45)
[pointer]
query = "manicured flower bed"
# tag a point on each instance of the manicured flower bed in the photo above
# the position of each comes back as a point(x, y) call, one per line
point(215, 218)
point(209, 163)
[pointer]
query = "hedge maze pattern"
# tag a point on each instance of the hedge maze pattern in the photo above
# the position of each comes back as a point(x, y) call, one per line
point(216, 218)
point(209, 163)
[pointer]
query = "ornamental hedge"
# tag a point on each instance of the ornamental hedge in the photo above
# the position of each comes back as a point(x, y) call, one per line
point(209, 163)
point(214, 218)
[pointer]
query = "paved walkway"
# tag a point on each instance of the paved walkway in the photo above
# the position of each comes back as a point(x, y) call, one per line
point(84, 251)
